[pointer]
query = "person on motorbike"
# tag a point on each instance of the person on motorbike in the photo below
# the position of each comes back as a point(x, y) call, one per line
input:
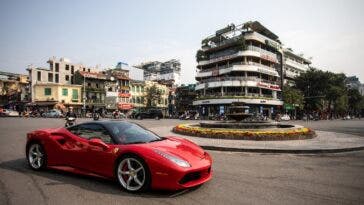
point(70, 117)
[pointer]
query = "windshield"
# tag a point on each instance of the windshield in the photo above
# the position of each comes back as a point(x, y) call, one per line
point(129, 133)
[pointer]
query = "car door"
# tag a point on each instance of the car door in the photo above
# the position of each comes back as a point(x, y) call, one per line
point(96, 159)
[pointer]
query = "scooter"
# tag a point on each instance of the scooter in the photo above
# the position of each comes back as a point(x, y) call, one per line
point(70, 121)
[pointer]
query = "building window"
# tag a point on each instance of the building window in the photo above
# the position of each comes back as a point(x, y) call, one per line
point(84, 69)
point(50, 77)
point(132, 88)
point(142, 88)
point(57, 78)
point(47, 91)
point(72, 81)
point(74, 95)
point(97, 85)
point(72, 69)
point(39, 76)
point(88, 70)
point(67, 67)
point(89, 84)
point(51, 65)
point(67, 77)
point(57, 67)
point(65, 92)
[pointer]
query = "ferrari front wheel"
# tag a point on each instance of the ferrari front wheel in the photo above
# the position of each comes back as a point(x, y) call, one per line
point(133, 174)
point(36, 156)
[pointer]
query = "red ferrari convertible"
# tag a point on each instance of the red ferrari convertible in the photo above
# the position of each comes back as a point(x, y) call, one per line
point(139, 159)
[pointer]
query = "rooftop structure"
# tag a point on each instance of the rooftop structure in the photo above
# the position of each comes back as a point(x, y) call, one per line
point(168, 71)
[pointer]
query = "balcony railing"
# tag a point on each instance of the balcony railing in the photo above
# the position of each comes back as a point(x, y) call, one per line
point(262, 51)
point(270, 56)
point(297, 65)
point(237, 95)
point(237, 78)
point(242, 63)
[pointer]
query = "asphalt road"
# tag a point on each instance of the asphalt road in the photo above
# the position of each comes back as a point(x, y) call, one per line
point(239, 178)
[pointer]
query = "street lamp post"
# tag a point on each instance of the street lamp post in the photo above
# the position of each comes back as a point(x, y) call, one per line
point(84, 95)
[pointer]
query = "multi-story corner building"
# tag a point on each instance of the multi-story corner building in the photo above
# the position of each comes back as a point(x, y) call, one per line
point(122, 87)
point(56, 84)
point(185, 95)
point(239, 64)
point(139, 91)
point(168, 72)
point(14, 89)
point(93, 90)
point(293, 65)
point(354, 83)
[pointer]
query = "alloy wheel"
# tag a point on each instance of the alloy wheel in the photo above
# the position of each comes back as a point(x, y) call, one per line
point(131, 174)
point(36, 156)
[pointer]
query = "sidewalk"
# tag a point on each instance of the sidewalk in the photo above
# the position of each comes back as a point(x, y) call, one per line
point(325, 142)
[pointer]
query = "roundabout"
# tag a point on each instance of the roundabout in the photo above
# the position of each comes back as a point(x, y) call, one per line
point(278, 132)
point(245, 126)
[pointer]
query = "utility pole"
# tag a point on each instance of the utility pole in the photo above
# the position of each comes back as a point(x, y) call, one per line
point(84, 94)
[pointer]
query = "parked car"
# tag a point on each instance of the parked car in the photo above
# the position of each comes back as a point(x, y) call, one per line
point(9, 113)
point(285, 117)
point(150, 113)
point(53, 113)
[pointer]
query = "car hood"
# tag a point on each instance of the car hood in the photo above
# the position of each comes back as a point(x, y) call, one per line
point(180, 147)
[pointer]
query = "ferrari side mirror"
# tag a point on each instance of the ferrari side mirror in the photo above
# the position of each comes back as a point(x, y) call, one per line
point(99, 143)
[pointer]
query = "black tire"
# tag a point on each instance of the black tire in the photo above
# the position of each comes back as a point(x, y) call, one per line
point(135, 162)
point(30, 157)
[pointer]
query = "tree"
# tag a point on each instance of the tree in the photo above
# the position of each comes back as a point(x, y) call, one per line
point(354, 101)
point(293, 96)
point(201, 55)
point(313, 85)
point(324, 91)
point(153, 95)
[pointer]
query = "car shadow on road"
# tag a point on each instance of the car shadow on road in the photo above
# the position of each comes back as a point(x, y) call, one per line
point(90, 183)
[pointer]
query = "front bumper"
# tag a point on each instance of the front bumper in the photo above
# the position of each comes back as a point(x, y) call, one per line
point(168, 178)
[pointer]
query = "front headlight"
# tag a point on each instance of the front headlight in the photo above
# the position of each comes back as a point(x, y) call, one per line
point(180, 162)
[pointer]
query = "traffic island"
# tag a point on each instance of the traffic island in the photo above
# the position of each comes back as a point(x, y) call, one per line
point(279, 132)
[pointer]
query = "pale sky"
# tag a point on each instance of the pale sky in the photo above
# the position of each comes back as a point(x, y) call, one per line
point(105, 32)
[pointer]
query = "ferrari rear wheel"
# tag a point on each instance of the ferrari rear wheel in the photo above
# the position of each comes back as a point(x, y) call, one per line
point(36, 156)
point(133, 174)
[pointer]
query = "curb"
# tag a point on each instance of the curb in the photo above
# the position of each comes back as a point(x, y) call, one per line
point(282, 151)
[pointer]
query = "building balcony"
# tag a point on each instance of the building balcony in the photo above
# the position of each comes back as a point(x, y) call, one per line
point(249, 66)
point(239, 78)
point(227, 100)
point(240, 82)
point(262, 39)
point(250, 51)
point(235, 95)
point(299, 66)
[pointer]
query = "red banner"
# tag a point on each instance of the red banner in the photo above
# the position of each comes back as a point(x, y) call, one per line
point(124, 95)
point(125, 106)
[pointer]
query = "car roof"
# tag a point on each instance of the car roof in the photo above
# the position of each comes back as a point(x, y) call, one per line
point(106, 122)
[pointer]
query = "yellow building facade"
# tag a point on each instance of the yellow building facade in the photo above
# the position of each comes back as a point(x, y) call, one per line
point(51, 94)
point(138, 91)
